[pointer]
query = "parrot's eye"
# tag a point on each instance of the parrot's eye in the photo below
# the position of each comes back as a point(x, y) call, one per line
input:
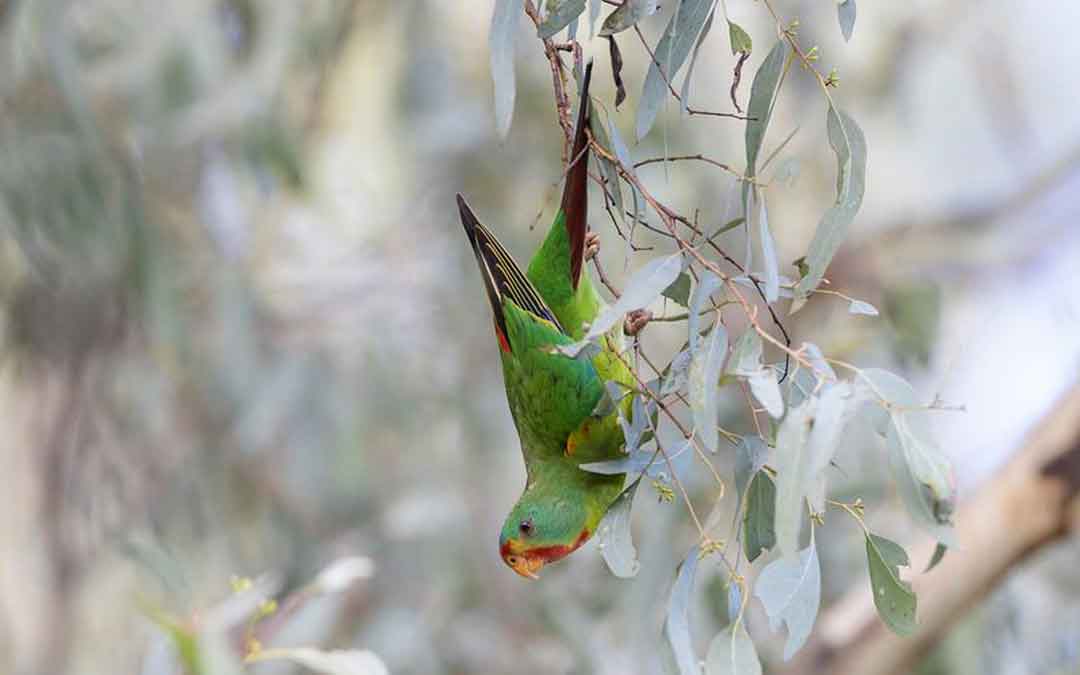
point(526, 526)
point(512, 561)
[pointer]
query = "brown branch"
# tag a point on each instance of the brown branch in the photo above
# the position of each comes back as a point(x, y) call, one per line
point(558, 82)
point(671, 87)
point(1032, 503)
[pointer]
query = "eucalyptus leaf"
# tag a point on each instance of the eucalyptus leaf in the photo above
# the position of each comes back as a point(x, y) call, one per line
point(793, 478)
point(559, 17)
point(705, 368)
point(501, 41)
point(642, 288)
point(790, 589)
point(680, 290)
point(759, 533)
point(615, 542)
point(607, 168)
point(677, 623)
point(832, 413)
point(622, 153)
point(586, 349)
point(861, 307)
point(762, 97)
point(770, 267)
point(336, 662)
point(634, 429)
point(924, 476)
point(766, 389)
point(939, 554)
point(678, 373)
point(845, 11)
point(894, 599)
point(750, 455)
point(849, 145)
point(627, 15)
point(671, 51)
point(685, 93)
point(745, 354)
point(594, 13)
point(740, 39)
point(732, 652)
point(706, 287)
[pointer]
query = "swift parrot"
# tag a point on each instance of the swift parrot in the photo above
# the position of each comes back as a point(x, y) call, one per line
point(553, 397)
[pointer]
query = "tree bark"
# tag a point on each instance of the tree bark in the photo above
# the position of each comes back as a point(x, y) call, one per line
point(1031, 503)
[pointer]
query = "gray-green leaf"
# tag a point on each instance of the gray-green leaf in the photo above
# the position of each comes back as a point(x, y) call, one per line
point(762, 96)
point(792, 474)
point(559, 17)
point(732, 652)
point(894, 599)
point(750, 455)
point(337, 662)
point(740, 39)
point(615, 542)
point(607, 168)
point(627, 15)
point(671, 52)
point(680, 290)
point(677, 623)
point(759, 534)
point(705, 386)
point(685, 93)
point(642, 288)
point(861, 307)
point(501, 43)
point(705, 288)
point(939, 554)
point(770, 267)
point(594, 13)
point(846, 14)
point(790, 590)
point(849, 145)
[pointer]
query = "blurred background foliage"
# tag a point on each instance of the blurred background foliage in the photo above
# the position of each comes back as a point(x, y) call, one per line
point(242, 332)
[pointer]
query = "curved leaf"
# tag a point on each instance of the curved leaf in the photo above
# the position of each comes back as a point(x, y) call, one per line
point(894, 599)
point(762, 96)
point(643, 287)
point(849, 145)
point(559, 17)
point(627, 15)
point(679, 37)
point(501, 43)
point(615, 542)
point(705, 370)
point(790, 590)
point(677, 623)
point(732, 652)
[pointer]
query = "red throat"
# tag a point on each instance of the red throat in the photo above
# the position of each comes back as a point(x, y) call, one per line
point(548, 554)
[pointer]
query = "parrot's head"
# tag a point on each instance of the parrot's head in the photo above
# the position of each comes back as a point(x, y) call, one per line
point(542, 530)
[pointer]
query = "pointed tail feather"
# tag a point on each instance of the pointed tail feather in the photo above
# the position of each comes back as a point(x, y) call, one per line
point(575, 199)
point(502, 277)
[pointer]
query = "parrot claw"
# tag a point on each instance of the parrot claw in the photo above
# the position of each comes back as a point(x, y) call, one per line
point(592, 245)
point(636, 321)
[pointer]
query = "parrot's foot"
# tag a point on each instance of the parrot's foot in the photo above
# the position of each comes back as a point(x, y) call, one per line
point(592, 245)
point(636, 321)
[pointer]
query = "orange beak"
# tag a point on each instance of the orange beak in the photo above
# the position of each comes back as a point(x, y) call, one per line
point(526, 566)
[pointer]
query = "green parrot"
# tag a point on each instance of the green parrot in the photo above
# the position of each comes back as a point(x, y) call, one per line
point(553, 397)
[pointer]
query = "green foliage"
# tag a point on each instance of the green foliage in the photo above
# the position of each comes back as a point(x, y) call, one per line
point(759, 533)
point(782, 471)
point(893, 597)
point(687, 21)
